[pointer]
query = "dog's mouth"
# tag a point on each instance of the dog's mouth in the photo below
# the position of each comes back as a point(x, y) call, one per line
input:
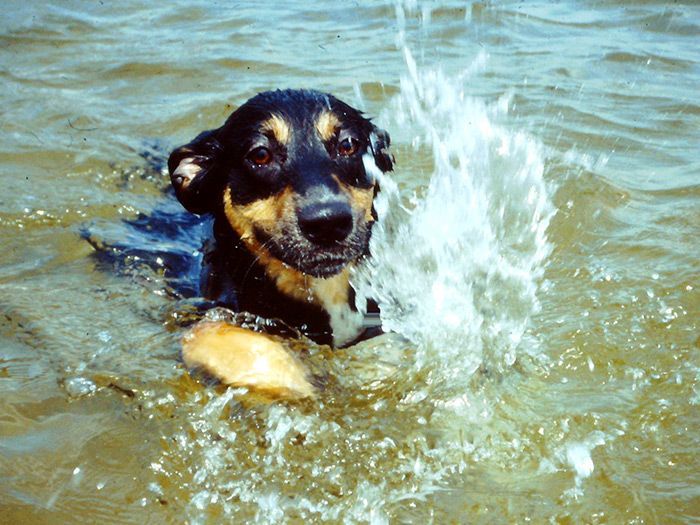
point(293, 249)
point(323, 266)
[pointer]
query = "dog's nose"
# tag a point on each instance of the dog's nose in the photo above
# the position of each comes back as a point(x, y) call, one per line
point(326, 223)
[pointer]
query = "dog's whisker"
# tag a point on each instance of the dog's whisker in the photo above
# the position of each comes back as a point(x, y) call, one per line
point(251, 266)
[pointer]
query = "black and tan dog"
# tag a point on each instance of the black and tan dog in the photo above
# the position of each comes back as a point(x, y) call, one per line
point(289, 179)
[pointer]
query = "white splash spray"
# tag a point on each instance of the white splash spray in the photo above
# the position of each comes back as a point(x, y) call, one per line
point(457, 271)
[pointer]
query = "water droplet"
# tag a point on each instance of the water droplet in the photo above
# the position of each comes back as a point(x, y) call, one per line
point(79, 386)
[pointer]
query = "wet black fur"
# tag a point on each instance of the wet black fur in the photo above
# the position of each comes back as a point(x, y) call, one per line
point(231, 275)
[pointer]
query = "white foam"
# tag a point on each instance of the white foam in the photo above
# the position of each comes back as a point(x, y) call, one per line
point(458, 272)
point(578, 456)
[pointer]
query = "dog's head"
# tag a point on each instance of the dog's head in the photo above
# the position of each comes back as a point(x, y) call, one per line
point(287, 170)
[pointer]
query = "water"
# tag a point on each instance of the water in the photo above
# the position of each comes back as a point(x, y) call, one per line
point(458, 274)
point(547, 182)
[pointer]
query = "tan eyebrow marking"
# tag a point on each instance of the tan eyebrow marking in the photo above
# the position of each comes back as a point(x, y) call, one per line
point(327, 124)
point(279, 128)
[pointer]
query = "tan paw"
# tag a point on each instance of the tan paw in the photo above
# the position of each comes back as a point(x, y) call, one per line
point(241, 357)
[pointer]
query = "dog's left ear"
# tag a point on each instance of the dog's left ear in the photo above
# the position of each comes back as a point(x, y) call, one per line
point(195, 173)
point(379, 143)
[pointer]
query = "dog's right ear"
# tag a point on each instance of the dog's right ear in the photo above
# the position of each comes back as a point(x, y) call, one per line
point(196, 175)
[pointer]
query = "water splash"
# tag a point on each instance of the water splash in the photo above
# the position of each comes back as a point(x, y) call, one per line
point(457, 271)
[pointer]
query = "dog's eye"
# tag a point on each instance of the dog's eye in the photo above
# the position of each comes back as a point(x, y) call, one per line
point(347, 146)
point(260, 156)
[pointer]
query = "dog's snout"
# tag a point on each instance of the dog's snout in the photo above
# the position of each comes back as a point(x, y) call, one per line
point(326, 223)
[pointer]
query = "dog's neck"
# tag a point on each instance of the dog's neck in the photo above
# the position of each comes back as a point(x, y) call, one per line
point(333, 295)
point(321, 308)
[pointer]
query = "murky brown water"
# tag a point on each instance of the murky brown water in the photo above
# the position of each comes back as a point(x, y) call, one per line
point(596, 422)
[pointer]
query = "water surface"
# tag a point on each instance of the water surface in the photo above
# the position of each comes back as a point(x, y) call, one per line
point(566, 394)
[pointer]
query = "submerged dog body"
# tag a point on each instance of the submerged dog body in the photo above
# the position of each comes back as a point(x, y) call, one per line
point(285, 178)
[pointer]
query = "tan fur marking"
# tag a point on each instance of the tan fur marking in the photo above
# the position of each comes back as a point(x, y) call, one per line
point(278, 127)
point(363, 198)
point(265, 214)
point(327, 124)
point(332, 291)
point(333, 295)
point(360, 198)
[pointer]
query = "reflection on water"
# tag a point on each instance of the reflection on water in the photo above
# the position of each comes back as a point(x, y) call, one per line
point(538, 253)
